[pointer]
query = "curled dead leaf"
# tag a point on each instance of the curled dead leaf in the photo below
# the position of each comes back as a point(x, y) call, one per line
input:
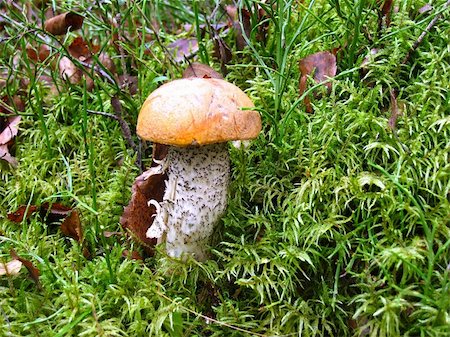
point(32, 270)
point(23, 212)
point(84, 52)
point(68, 216)
point(9, 127)
point(62, 23)
point(139, 215)
point(69, 71)
point(79, 49)
point(129, 83)
point(321, 66)
point(38, 54)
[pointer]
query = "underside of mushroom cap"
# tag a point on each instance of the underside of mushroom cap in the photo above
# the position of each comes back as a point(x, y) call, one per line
point(198, 111)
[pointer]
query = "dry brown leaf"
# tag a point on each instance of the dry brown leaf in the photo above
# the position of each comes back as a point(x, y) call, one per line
point(386, 10)
point(70, 225)
point(39, 54)
point(8, 130)
point(69, 71)
point(138, 215)
point(396, 110)
point(183, 49)
point(201, 70)
point(10, 268)
point(108, 234)
point(32, 270)
point(6, 156)
point(68, 216)
point(321, 66)
point(108, 63)
point(222, 51)
point(60, 24)
point(80, 49)
point(132, 255)
point(232, 12)
point(20, 214)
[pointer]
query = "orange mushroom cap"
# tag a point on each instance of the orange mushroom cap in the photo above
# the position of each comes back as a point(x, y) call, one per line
point(197, 111)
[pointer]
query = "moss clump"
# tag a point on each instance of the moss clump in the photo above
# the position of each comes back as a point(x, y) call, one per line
point(337, 224)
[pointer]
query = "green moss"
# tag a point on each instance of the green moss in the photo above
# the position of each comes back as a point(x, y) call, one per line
point(337, 225)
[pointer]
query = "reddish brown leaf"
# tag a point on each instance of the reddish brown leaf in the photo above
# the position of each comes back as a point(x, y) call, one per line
point(384, 13)
point(222, 51)
point(261, 29)
point(321, 66)
point(201, 70)
point(71, 226)
point(108, 63)
point(386, 7)
point(62, 23)
point(19, 214)
point(232, 12)
point(138, 215)
point(132, 255)
point(56, 209)
point(32, 270)
point(38, 55)
point(183, 49)
point(80, 49)
point(70, 220)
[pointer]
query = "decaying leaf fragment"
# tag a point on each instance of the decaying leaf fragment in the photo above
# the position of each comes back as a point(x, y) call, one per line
point(62, 23)
point(9, 127)
point(82, 51)
point(32, 270)
point(321, 66)
point(245, 23)
point(10, 268)
point(68, 216)
point(37, 54)
point(139, 214)
point(23, 212)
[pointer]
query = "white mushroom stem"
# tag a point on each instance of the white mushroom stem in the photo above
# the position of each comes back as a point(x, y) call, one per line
point(194, 200)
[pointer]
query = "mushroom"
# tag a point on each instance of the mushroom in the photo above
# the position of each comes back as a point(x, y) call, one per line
point(195, 117)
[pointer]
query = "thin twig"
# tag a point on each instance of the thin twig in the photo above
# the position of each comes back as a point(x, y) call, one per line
point(102, 113)
point(117, 107)
point(98, 70)
point(424, 33)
